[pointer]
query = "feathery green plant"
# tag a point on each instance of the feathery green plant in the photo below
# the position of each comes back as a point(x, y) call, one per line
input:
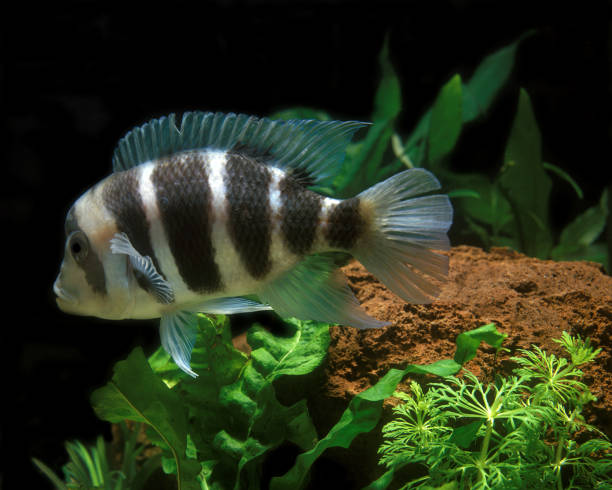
point(519, 432)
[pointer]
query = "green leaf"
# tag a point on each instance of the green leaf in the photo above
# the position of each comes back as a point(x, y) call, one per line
point(383, 482)
point(587, 227)
point(275, 356)
point(577, 238)
point(235, 416)
point(478, 95)
point(488, 79)
point(446, 120)
point(50, 474)
point(465, 434)
point(460, 193)
point(136, 393)
point(362, 165)
point(525, 182)
point(565, 176)
point(490, 208)
point(388, 97)
point(468, 342)
point(364, 410)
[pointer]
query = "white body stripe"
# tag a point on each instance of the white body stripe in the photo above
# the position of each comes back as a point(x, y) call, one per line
point(159, 241)
point(234, 277)
point(320, 242)
point(281, 258)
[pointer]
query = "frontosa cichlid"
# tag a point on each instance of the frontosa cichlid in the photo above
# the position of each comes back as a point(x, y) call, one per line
point(194, 218)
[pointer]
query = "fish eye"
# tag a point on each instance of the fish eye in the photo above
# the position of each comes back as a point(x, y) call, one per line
point(79, 246)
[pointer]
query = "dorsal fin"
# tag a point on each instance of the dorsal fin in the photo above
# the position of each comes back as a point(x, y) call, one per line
point(304, 147)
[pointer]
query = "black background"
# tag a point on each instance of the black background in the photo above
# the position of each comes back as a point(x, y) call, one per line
point(77, 75)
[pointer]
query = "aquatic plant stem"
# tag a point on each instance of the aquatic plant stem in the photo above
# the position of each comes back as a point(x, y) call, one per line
point(484, 450)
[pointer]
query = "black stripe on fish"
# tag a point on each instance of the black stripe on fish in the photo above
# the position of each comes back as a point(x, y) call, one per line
point(299, 215)
point(91, 263)
point(121, 195)
point(184, 200)
point(345, 224)
point(249, 225)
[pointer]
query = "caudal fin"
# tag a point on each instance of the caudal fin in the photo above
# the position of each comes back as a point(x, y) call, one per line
point(406, 231)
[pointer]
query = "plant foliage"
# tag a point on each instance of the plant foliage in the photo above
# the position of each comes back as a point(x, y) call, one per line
point(215, 431)
point(518, 432)
point(89, 467)
point(509, 209)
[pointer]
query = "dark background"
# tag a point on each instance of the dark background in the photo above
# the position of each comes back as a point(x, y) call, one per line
point(76, 76)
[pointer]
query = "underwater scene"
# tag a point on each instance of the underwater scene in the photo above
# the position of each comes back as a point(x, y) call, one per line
point(308, 246)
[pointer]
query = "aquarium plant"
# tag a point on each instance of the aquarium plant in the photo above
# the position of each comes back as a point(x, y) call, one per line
point(521, 431)
point(509, 204)
point(217, 430)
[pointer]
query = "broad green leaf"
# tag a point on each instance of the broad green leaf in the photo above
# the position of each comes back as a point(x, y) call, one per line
point(488, 79)
point(275, 356)
point(136, 393)
point(597, 252)
point(388, 97)
point(491, 207)
point(587, 227)
point(468, 342)
point(478, 95)
point(526, 183)
point(445, 122)
point(577, 238)
point(364, 410)
point(235, 417)
point(363, 160)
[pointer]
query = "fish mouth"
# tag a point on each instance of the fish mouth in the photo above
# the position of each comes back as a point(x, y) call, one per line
point(62, 295)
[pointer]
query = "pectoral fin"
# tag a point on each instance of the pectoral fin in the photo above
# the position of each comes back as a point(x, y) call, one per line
point(144, 269)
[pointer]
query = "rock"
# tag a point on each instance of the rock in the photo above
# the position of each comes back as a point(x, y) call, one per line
point(531, 300)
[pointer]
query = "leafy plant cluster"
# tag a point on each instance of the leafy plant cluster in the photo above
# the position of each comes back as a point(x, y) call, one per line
point(217, 430)
point(511, 209)
point(90, 467)
point(523, 431)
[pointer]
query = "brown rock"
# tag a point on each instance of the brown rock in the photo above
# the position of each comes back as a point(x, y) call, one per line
point(531, 300)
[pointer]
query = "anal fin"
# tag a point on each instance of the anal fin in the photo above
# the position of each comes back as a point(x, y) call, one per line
point(316, 290)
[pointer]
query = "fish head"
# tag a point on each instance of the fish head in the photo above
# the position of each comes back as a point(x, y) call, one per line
point(92, 280)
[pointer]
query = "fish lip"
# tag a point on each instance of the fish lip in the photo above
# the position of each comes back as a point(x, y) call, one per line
point(63, 295)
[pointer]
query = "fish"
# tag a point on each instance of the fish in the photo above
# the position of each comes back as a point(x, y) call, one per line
point(228, 213)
